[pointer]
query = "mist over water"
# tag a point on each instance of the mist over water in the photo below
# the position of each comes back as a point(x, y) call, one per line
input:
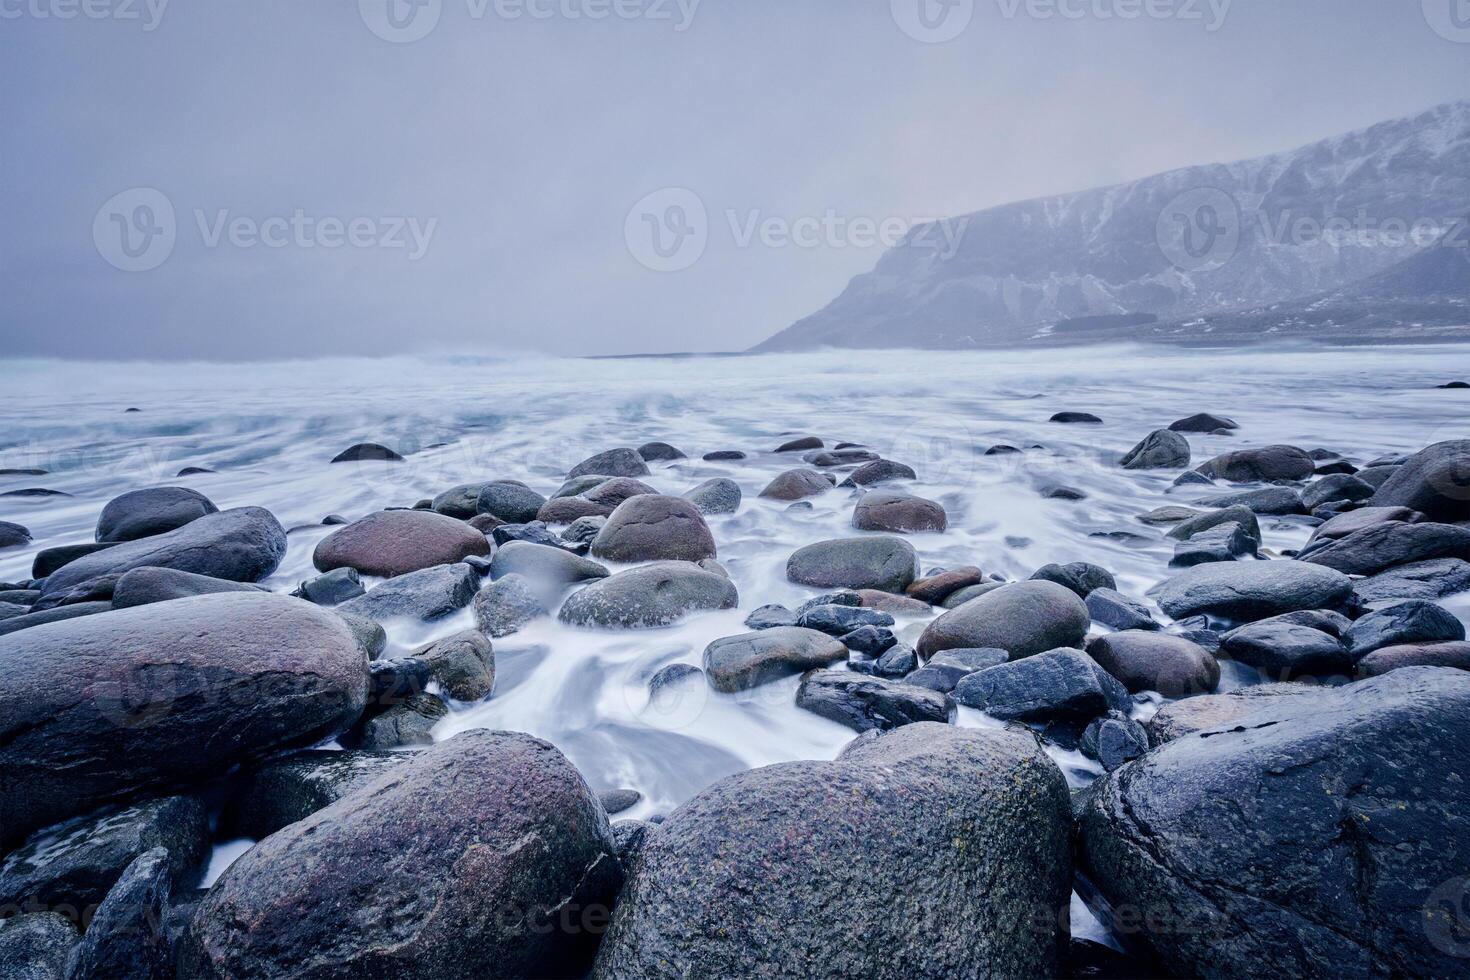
point(270, 430)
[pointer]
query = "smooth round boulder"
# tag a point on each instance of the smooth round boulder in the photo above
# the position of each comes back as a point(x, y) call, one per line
point(1264, 465)
point(654, 528)
point(658, 452)
point(649, 596)
point(97, 709)
point(1023, 619)
point(486, 855)
point(879, 471)
point(799, 444)
point(13, 535)
point(395, 542)
point(460, 502)
point(507, 604)
point(283, 791)
point(882, 563)
point(1081, 577)
point(899, 513)
point(613, 462)
point(545, 567)
point(796, 485)
point(143, 513)
point(1386, 544)
point(1161, 449)
point(1145, 660)
point(510, 500)
point(1248, 590)
point(1434, 481)
point(717, 496)
point(735, 883)
point(739, 663)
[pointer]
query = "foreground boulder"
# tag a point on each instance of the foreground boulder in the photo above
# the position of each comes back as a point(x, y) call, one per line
point(1250, 590)
point(1283, 648)
point(650, 595)
point(1415, 621)
point(1023, 618)
point(143, 513)
point(738, 663)
point(900, 513)
point(127, 936)
point(736, 884)
point(396, 542)
point(1419, 580)
point(242, 545)
point(882, 563)
point(96, 709)
point(654, 528)
point(486, 855)
point(1284, 837)
point(1434, 481)
point(1265, 464)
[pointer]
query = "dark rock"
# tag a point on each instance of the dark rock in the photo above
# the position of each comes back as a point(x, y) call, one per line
point(371, 638)
point(672, 676)
point(1284, 651)
point(618, 800)
point(870, 641)
point(1113, 740)
point(612, 493)
point(143, 513)
point(1001, 450)
point(1023, 618)
point(425, 595)
point(898, 661)
point(533, 533)
point(484, 523)
point(409, 723)
point(835, 620)
point(1420, 580)
point(882, 563)
point(844, 597)
point(800, 444)
point(459, 502)
point(1376, 476)
point(879, 471)
point(479, 882)
point(655, 528)
point(1079, 576)
point(896, 605)
point(287, 790)
point(22, 471)
point(1414, 621)
point(1116, 610)
point(13, 535)
point(507, 604)
point(1336, 466)
point(1243, 516)
point(1219, 831)
point(395, 682)
point(1143, 660)
point(194, 471)
point(127, 937)
point(30, 620)
point(1454, 654)
point(1336, 487)
point(1189, 478)
point(1344, 524)
point(70, 867)
point(1159, 450)
point(869, 703)
point(331, 589)
point(898, 513)
point(934, 589)
point(34, 493)
point(1454, 384)
point(1434, 481)
point(97, 709)
point(241, 545)
point(1250, 590)
point(846, 457)
point(1073, 418)
point(543, 566)
point(568, 510)
point(1203, 422)
point(724, 456)
point(584, 529)
point(630, 837)
point(49, 560)
point(613, 462)
point(367, 452)
point(944, 670)
point(1223, 542)
point(649, 596)
point(1177, 719)
point(395, 542)
point(657, 452)
point(1389, 543)
point(959, 597)
point(143, 586)
point(93, 590)
point(510, 500)
point(1267, 500)
point(770, 617)
point(796, 485)
point(463, 664)
point(1265, 465)
point(36, 946)
point(717, 496)
point(736, 884)
point(739, 663)
point(1057, 685)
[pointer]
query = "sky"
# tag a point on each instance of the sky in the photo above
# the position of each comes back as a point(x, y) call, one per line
point(265, 179)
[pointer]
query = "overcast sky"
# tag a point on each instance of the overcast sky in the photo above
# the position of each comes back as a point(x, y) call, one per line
point(340, 184)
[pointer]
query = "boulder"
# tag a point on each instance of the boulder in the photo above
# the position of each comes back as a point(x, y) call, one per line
point(242, 545)
point(1075, 418)
point(1113, 739)
point(1243, 516)
point(1079, 576)
point(613, 462)
point(127, 936)
point(35, 946)
point(367, 452)
point(1175, 719)
point(1203, 422)
point(486, 855)
point(1223, 542)
point(430, 594)
point(584, 529)
point(569, 510)
point(1454, 654)
point(1023, 618)
point(410, 722)
point(143, 513)
point(96, 709)
point(1338, 486)
point(1249, 590)
point(1419, 580)
point(649, 596)
point(959, 597)
point(796, 485)
point(840, 620)
point(736, 884)
point(658, 452)
point(611, 493)
point(935, 588)
point(1150, 661)
point(800, 444)
point(717, 496)
point(1434, 481)
point(1355, 520)
point(895, 605)
point(1284, 837)
point(654, 528)
point(898, 513)
point(463, 664)
point(1162, 449)
point(1388, 543)
point(330, 589)
point(879, 471)
point(882, 563)
point(1059, 685)
point(507, 604)
point(739, 663)
point(1170, 514)
point(1117, 611)
point(283, 791)
point(395, 542)
point(1283, 650)
point(459, 502)
point(769, 617)
point(1267, 500)
point(543, 566)
point(25, 621)
point(13, 535)
point(945, 670)
point(869, 703)
point(48, 560)
point(1264, 465)
point(510, 500)
point(144, 586)
point(1414, 621)
point(724, 456)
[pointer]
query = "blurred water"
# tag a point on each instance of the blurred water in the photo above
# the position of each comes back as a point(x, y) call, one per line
point(270, 429)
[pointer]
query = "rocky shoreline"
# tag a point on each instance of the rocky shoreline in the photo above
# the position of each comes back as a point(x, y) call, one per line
point(156, 700)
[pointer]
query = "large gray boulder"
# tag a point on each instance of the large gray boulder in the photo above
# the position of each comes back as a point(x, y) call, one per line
point(97, 709)
point(1023, 618)
point(738, 663)
point(144, 586)
point(654, 528)
point(395, 542)
point(1434, 481)
point(1325, 835)
point(1249, 590)
point(429, 594)
point(613, 462)
point(143, 513)
point(486, 855)
point(243, 545)
point(1145, 660)
point(882, 563)
point(649, 596)
point(1265, 464)
point(908, 834)
point(1387, 544)
point(899, 513)
point(1162, 449)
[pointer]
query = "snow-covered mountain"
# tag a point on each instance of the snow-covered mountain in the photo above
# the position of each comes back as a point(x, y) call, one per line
point(1152, 256)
